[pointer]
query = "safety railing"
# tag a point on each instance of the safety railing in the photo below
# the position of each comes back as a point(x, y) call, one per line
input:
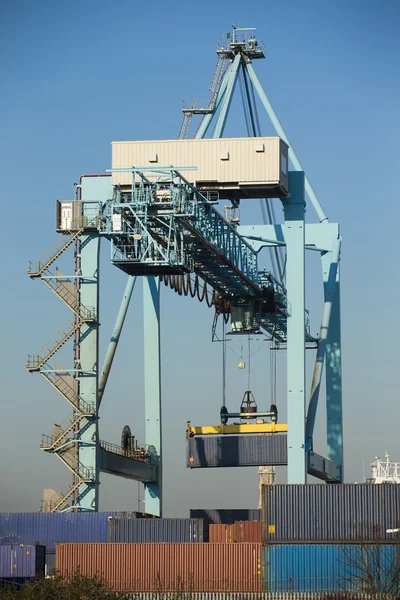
point(57, 380)
point(140, 452)
point(36, 268)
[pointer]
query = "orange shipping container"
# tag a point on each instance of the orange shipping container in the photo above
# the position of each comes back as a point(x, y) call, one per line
point(167, 567)
point(248, 531)
point(218, 533)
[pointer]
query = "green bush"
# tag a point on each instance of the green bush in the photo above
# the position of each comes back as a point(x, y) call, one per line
point(77, 587)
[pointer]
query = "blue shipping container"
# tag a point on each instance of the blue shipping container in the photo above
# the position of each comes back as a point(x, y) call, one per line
point(328, 567)
point(49, 528)
point(143, 531)
point(22, 562)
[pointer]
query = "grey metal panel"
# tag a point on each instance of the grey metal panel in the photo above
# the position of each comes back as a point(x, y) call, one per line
point(127, 467)
point(331, 513)
point(142, 531)
point(236, 450)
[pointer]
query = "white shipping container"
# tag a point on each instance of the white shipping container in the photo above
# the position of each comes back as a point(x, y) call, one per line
point(236, 167)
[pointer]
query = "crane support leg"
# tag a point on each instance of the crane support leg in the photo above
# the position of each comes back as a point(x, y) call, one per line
point(88, 359)
point(152, 388)
point(294, 209)
point(333, 370)
point(330, 264)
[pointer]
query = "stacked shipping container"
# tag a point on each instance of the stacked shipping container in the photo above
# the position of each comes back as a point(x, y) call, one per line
point(167, 567)
point(331, 513)
point(224, 516)
point(318, 538)
point(241, 531)
point(155, 530)
point(49, 528)
point(19, 562)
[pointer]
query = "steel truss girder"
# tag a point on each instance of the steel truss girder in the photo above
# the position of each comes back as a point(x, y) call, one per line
point(168, 226)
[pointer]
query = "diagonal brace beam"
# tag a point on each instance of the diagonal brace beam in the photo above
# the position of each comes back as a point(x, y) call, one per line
point(280, 131)
point(230, 88)
point(112, 348)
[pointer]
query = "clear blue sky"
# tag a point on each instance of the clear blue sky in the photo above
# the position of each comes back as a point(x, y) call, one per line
point(76, 76)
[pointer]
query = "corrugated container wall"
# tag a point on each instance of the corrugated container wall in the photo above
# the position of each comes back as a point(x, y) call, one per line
point(328, 568)
point(239, 532)
point(49, 528)
point(167, 567)
point(331, 513)
point(226, 161)
point(248, 531)
point(20, 561)
point(236, 450)
point(155, 530)
point(221, 534)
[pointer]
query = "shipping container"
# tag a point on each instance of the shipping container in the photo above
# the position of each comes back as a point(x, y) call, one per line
point(239, 532)
point(155, 530)
point(49, 528)
point(236, 450)
point(221, 534)
point(247, 531)
point(19, 561)
point(224, 516)
point(330, 513)
point(235, 167)
point(326, 567)
point(167, 567)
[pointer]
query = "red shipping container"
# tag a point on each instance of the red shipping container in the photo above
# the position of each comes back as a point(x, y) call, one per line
point(167, 567)
point(218, 533)
point(248, 531)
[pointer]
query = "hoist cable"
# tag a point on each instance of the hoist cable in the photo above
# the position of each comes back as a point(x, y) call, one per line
point(223, 365)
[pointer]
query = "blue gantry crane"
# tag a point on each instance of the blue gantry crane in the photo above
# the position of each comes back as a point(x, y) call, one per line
point(160, 208)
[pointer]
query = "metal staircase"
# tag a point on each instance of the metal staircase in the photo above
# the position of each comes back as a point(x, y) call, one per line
point(65, 289)
point(66, 436)
point(37, 268)
point(36, 361)
point(51, 442)
point(219, 72)
point(67, 391)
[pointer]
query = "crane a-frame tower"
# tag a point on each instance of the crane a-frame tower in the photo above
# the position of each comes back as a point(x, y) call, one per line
point(162, 226)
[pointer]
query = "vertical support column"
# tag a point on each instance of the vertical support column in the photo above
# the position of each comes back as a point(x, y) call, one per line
point(88, 445)
point(294, 209)
point(152, 388)
point(333, 370)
